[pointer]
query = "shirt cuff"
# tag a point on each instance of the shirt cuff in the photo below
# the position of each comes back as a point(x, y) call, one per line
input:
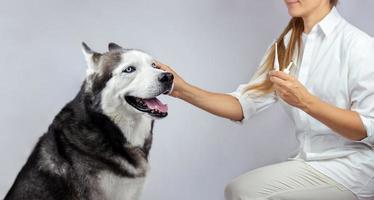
point(248, 107)
point(369, 125)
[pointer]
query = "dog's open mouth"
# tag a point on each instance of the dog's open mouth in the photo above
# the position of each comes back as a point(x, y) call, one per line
point(152, 106)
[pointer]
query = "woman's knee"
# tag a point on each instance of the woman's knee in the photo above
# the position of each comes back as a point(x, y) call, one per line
point(232, 191)
point(239, 190)
point(248, 186)
point(251, 185)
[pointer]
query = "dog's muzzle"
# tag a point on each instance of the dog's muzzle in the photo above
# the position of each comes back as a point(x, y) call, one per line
point(153, 106)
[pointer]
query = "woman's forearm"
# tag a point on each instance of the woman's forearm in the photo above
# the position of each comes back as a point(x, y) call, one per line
point(223, 105)
point(345, 122)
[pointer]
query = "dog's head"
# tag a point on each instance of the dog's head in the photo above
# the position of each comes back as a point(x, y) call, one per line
point(126, 81)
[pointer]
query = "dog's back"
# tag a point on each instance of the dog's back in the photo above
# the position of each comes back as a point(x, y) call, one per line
point(35, 183)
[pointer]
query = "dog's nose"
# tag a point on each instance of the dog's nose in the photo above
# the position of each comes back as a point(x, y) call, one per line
point(166, 77)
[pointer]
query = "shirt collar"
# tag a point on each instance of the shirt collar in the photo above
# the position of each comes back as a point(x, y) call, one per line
point(328, 23)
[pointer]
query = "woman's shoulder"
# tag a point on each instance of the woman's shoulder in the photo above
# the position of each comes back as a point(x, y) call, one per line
point(357, 47)
point(353, 38)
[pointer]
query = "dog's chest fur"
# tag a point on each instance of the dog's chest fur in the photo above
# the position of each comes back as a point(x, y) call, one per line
point(119, 188)
point(114, 187)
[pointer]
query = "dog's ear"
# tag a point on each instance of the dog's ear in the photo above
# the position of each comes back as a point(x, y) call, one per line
point(114, 47)
point(92, 57)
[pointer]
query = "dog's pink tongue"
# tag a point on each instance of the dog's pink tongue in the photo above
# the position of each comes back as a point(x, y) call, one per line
point(154, 103)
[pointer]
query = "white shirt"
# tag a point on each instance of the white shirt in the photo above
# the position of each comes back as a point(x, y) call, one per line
point(336, 64)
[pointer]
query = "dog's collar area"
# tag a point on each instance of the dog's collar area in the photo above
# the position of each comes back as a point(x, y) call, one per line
point(152, 106)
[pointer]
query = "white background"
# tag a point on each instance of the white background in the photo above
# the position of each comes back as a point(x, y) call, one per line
point(214, 44)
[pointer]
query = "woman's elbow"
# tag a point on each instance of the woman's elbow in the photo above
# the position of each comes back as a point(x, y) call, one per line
point(237, 117)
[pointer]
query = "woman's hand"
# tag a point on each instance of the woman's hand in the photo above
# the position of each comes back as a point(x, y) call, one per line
point(290, 89)
point(179, 83)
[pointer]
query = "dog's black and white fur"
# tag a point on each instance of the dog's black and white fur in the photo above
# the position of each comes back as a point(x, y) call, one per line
point(97, 146)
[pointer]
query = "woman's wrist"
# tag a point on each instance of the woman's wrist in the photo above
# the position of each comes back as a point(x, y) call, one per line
point(184, 92)
point(311, 103)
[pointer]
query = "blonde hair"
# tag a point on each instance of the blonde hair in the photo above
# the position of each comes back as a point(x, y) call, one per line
point(285, 54)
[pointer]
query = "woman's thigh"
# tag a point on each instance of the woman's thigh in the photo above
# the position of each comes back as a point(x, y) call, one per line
point(288, 180)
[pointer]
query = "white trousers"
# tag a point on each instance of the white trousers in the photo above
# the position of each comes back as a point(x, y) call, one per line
point(291, 180)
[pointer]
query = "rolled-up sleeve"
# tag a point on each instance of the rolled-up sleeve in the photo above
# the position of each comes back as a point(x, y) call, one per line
point(361, 86)
point(251, 101)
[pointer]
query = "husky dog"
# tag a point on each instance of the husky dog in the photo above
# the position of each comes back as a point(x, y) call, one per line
point(97, 146)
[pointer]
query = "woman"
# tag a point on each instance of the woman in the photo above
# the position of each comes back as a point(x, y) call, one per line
point(329, 94)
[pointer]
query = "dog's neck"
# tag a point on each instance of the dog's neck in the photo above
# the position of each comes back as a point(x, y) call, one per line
point(136, 129)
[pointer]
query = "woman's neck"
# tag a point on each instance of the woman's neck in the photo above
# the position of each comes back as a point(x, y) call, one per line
point(315, 16)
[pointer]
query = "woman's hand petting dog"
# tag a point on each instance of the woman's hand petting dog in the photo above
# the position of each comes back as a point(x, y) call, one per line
point(179, 83)
point(290, 89)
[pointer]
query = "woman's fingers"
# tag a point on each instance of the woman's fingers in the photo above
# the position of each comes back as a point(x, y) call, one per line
point(279, 81)
point(168, 69)
point(280, 75)
point(163, 67)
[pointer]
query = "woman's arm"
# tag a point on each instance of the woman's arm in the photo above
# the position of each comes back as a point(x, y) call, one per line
point(345, 122)
point(222, 105)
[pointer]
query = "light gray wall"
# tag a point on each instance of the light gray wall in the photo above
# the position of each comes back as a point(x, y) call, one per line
point(215, 44)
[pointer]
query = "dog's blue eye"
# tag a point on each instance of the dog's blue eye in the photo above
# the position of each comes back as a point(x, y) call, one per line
point(129, 69)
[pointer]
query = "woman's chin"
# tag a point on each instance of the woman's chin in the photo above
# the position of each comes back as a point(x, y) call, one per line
point(295, 13)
